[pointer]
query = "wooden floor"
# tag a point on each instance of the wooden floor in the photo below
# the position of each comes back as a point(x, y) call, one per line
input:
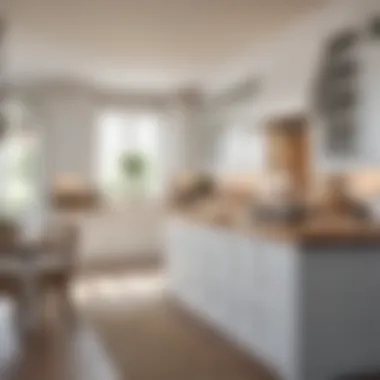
point(126, 329)
point(58, 351)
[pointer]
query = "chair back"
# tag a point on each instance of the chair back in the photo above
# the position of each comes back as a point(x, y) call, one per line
point(9, 237)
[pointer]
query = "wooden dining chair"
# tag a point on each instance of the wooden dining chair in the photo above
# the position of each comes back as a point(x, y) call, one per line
point(62, 244)
point(9, 236)
point(10, 283)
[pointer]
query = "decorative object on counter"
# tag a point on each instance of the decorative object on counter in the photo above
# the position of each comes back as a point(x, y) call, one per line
point(204, 186)
point(278, 186)
point(216, 212)
point(338, 202)
point(283, 202)
point(239, 190)
point(197, 188)
point(287, 213)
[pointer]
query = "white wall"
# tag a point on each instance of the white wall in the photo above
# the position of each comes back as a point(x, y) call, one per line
point(289, 82)
point(65, 117)
point(286, 66)
point(287, 70)
point(241, 149)
point(369, 112)
point(69, 126)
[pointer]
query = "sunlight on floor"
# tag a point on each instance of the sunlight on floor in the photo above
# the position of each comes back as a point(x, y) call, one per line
point(116, 286)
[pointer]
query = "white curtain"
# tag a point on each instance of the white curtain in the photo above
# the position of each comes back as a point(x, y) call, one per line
point(19, 148)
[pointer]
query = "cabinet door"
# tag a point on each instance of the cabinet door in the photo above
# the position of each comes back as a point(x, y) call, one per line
point(230, 274)
point(175, 252)
point(289, 151)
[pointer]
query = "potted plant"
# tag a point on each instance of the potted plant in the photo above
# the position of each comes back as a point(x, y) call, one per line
point(134, 169)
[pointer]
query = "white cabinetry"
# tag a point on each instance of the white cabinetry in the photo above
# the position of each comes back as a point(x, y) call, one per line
point(243, 286)
point(310, 312)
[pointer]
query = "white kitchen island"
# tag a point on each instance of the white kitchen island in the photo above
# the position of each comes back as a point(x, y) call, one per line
point(310, 310)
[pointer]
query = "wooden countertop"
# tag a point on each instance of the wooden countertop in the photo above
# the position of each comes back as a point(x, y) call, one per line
point(313, 231)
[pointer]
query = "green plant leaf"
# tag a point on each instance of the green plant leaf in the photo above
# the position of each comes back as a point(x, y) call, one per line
point(133, 165)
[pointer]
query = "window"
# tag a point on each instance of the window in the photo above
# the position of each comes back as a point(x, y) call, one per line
point(121, 135)
point(18, 171)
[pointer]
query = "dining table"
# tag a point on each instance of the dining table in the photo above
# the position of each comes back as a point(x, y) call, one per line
point(26, 270)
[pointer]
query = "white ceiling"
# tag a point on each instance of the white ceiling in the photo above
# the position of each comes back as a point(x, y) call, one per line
point(139, 44)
